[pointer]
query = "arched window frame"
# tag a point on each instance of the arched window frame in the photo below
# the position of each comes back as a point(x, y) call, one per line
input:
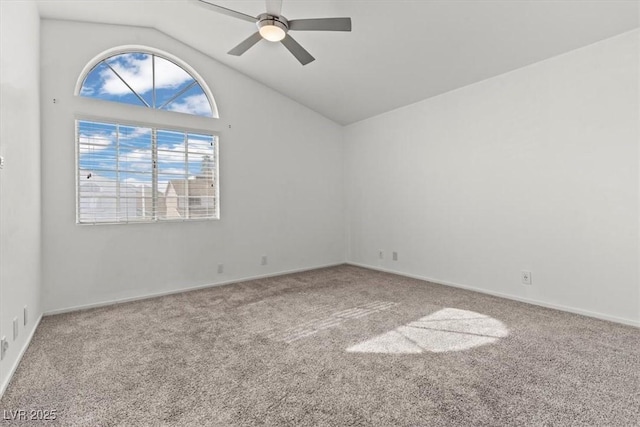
point(127, 115)
point(152, 51)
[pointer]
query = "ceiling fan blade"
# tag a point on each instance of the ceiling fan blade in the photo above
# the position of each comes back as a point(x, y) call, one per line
point(274, 7)
point(298, 51)
point(321, 24)
point(228, 12)
point(246, 44)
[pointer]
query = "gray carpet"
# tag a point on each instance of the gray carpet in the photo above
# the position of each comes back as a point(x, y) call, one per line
point(335, 347)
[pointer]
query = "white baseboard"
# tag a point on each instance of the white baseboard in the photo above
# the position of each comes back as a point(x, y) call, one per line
point(12, 370)
point(506, 296)
point(180, 290)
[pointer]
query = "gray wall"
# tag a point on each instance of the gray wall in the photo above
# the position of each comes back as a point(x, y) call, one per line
point(20, 178)
point(536, 169)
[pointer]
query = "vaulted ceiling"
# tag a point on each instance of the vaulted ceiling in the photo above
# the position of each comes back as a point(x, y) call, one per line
point(399, 51)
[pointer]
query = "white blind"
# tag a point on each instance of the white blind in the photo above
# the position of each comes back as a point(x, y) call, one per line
point(142, 174)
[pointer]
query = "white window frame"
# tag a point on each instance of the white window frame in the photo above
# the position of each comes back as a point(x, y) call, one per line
point(106, 111)
point(155, 127)
point(151, 51)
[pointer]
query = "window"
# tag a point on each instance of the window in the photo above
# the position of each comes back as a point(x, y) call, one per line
point(144, 174)
point(133, 166)
point(147, 80)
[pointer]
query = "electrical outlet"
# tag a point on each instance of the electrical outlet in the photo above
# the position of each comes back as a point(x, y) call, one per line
point(526, 277)
point(15, 328)
point(263, 261)
point(380, 254)
point(4, 346)
point(220, 268)
point(395, 256)
point(25, 314)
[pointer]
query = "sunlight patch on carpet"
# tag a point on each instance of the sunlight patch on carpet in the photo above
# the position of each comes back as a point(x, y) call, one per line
point(449, 329)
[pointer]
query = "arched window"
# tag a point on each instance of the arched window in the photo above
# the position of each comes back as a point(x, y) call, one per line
point(139, 171)
point(148, 80)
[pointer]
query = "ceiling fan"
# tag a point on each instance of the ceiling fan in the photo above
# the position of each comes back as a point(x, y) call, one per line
point(274, 27)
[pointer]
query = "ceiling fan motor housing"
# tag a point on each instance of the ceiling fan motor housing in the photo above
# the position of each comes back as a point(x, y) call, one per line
point(266, 21)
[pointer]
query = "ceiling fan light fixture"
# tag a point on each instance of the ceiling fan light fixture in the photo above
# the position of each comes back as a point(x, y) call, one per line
point(272, 28)
point(272, 33)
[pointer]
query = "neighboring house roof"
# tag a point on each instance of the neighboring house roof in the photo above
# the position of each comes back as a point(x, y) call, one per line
point(201, 186)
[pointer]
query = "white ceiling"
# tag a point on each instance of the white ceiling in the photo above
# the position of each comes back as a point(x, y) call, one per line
point(399, 52)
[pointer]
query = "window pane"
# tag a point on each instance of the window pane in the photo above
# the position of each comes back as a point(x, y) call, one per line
point(193, 101)
point(136, 70)
point(97, 196)
point(171, 153)
point(134, 153)
point(103, 83)
point(96, 171)
point(92, 85)
point(175, 197)
point(98, 209)
point(97, 146)
point(135, 196)
point(117, 179)
point(170, 80)
point(201, 155)
point(171, 174)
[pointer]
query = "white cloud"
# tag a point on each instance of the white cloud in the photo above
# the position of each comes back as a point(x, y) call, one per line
point(173, 171)
point(144, 156)
point(97, 141)
point(137, 71)
point(198, 146)
point(87, 91)
point(171, 157)
point(174, 152)
point(127, 133)
point(195, 104)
